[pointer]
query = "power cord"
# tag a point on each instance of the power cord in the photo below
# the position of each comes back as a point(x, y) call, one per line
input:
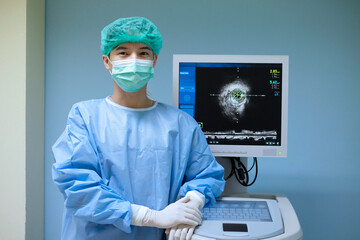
point(241, 173)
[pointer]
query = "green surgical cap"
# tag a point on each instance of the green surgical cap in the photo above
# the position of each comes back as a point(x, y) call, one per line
point(132, 29)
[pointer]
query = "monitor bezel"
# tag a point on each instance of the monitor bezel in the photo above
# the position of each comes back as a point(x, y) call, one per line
point(242, 150)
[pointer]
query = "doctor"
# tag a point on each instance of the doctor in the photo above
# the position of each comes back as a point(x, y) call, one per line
point(123, 161)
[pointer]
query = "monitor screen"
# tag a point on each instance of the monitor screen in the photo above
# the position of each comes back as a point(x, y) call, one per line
point(239, 101)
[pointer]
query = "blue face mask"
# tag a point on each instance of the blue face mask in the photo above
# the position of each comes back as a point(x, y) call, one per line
point(132, 74)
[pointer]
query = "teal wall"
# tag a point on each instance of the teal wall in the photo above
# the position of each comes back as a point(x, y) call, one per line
point(321, 175)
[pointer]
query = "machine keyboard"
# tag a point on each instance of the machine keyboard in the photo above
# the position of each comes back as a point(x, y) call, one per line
point(238, 211)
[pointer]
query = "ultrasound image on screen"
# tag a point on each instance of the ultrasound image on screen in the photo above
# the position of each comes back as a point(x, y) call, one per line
point(239, 105)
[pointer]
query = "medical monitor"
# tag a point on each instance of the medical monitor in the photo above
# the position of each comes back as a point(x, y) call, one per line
point(239, 101)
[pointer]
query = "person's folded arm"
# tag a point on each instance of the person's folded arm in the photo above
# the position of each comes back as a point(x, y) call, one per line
point(203, 173)
point(204, 182)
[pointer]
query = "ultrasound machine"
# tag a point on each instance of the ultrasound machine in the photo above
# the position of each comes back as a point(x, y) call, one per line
point(241, 104)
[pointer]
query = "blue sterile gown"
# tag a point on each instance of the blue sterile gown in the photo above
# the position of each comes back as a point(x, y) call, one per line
point(110, 156)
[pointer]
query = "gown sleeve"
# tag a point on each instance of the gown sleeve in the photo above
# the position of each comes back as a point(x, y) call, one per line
point(203, 173)
point(77, 174)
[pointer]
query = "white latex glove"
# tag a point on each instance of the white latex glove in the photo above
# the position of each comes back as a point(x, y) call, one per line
point(185, 232)
point(196, 199)
point(174, 214)
point(180, 232)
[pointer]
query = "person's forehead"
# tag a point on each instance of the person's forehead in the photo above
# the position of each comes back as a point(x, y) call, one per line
point(132, 46)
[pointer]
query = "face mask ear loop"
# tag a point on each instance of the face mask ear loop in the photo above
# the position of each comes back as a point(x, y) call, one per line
point(111, 64)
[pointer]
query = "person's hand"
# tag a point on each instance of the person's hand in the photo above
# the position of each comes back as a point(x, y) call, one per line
point(197, 200)
point(185, 232)
point(174, 214)
point(180, 232)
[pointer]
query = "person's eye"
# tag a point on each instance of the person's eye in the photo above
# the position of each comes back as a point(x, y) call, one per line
point(144, 53)
point(122, 53)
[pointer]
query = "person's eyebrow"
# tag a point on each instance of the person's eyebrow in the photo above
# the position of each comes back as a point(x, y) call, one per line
point(120, 48)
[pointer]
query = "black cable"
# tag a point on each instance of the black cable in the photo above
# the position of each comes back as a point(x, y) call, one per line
point(253, 164)
point(256, 172)
point(232, 170)
point(241, 172)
